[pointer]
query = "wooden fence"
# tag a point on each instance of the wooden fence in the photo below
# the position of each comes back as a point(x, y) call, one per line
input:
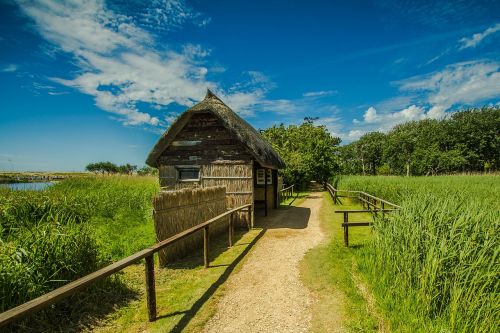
point(54, 296)
point(286, 193)
point(372, 203)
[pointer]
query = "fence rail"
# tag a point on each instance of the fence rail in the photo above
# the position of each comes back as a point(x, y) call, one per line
point(56, 295)
point(373, 205)
point(286, 193)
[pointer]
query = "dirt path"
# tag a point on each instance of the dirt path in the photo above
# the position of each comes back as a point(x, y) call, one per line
point(266, 295)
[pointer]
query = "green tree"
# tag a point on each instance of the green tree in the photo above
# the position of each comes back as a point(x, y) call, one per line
point(309, 151)
point(370, 148)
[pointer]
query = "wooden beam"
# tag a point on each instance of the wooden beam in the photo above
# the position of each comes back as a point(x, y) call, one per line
point(265, 191)
point(150, 287)
point(230, 230)
point(346, 229)
point(206, 239)
point(357, 224)
point(275, 187)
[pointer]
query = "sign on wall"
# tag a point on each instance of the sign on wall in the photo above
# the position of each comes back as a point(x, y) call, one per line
point(261, 173)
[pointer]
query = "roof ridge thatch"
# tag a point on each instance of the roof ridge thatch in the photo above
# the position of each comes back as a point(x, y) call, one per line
point(260, 149)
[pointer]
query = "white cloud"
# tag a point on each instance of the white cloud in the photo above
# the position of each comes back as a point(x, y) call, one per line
point(320, 93)
point(373, 120)
point(370, 115)
point(9, 68)
point(120, 65)
point(458, 84)
point(474, 40)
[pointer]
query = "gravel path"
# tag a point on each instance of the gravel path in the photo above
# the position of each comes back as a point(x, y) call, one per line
point(266, 295)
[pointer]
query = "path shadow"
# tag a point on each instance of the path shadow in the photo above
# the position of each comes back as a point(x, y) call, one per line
point(291, 217)
point(189, 314)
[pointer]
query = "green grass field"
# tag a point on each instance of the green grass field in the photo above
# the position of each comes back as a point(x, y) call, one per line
point(51, 237)
point(434, 266)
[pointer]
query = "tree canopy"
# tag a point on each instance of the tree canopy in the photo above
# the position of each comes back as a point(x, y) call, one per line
point(466, 141)
point(309, 151)
point(109, 167)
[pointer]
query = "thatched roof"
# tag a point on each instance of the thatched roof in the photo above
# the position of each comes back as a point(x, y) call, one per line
point(260, 149)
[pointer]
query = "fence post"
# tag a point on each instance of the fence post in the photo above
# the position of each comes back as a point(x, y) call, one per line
point(250, 216)
point(383, 208)
point(346, 229)
point(205, 246)
point(150, 287)
point(231, 230)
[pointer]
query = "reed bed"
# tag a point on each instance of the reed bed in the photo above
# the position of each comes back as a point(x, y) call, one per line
point(51, 237)
point(176, 211)
point(435, 266)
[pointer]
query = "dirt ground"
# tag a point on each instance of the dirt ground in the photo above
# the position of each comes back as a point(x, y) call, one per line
point(267, 295)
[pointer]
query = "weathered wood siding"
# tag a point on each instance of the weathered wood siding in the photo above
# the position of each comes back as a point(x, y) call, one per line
point(259, 195)
point(204, 140)
point(222, 159)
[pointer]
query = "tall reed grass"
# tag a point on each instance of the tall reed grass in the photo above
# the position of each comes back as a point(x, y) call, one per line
point(50, 237)
point(435, 265)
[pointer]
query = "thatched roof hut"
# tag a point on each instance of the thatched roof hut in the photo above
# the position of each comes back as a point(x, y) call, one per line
point(210, 145)
point(260, 149)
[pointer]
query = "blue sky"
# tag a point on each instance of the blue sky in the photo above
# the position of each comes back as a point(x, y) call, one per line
point(85, 81)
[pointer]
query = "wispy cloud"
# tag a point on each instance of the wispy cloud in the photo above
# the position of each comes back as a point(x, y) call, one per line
point(120, 64)
point(475, 39)
point(9, 68)
point(320, 93)
point(457, 84)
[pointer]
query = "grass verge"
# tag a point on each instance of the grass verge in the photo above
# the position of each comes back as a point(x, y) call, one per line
point(330, 272)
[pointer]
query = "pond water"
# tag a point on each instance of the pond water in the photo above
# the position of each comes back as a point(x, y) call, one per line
point(39, 186)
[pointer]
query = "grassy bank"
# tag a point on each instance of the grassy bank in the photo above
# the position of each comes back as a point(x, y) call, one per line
point(330, 272)
point(434, 266)
point(48, 238)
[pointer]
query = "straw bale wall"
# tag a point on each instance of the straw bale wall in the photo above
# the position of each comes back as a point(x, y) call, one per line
point(238, 180)
point(176, 211)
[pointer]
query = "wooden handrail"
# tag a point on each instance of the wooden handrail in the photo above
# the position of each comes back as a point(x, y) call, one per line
point(330, 187)
point(379, 199)
point(286, 192)
point(364, 210)
point(71, 288)
point(366, 198)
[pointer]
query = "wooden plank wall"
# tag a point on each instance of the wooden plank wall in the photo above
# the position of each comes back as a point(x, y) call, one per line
point(204, 140)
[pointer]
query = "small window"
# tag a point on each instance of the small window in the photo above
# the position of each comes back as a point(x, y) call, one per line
point(261, 177)
point(188, 173)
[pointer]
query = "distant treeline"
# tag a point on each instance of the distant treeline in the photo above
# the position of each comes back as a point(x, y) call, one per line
point(111, 168)
point(466, 141)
